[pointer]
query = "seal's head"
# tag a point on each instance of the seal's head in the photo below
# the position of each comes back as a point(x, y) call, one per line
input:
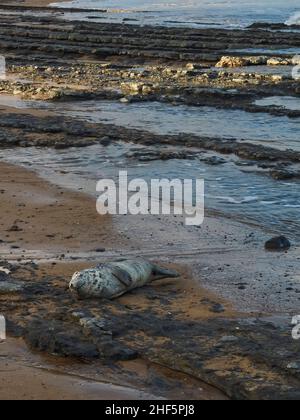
point(76, 283)
point(87, 283)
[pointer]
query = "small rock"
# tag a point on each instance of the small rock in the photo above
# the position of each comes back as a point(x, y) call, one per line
point(124, 101)
point(228, 61)
point(132, 87)
point(190, 66)
point(282, 174)
point(231, 62)
point(217, 308)
point(100, 250)
point(277, 61)
point(294, 366)
point(15, 228)
point(280, 243)
point(296, 60)
point(276, 78)
point(147, 90)
point(213, 160)
point(257, 60)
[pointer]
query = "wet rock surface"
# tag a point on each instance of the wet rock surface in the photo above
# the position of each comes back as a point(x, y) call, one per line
point(245, 357)
point(8, 286)
point(62, 61)
point(25, 130)
point(83, 60)
point(102, 40)
point(135, 61)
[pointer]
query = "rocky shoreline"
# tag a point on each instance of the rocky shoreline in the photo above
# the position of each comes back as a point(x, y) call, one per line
point(26, 130)
point(66, 61)
point(52, 35)
point(213, 351)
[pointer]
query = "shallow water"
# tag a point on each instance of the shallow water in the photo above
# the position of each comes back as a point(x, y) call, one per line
point(266, 70)
point(13, 101)
point(263, 51)
point(232, 189)
point(286, 102)
point(228, 13)
point(278, 132)
point(179, 13)
point(228, 188)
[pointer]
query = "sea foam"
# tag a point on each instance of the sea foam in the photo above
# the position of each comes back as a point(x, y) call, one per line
point(294, 19)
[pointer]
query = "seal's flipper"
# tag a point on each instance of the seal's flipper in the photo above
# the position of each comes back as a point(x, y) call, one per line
point(163, 273)
point(122, 276)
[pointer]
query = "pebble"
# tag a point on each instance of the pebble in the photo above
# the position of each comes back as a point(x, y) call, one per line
point(280, 243)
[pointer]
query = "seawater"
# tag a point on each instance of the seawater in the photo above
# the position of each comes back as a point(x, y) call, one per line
point(228, 13)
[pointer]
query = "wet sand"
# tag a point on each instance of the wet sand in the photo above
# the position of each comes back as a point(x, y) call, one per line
point(50, 221)
point(24, 377)
point(49, 218)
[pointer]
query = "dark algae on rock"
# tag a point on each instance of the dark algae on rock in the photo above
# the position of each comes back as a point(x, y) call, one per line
point(247, 358)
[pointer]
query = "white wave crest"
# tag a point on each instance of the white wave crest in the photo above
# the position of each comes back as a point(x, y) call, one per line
point(294, 19)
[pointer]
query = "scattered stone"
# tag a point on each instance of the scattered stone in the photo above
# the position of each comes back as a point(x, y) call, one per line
point(217, 308)
point(190, 66)
point(231, 62)
point(280, 243)
point(213, 160)
point(100, 250)
point(294, 366)
point(257, 60)
point(284, 174)
point(277, 78)
point(4, 270)
point(296, 60)
point(15, 228)
point(124, 101)
point(277, 61)
point(228, 61)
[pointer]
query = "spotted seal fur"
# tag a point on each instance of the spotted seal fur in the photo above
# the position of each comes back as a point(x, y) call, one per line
point(113, 279)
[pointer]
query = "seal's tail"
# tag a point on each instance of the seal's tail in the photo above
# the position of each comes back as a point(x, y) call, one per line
point(164, 273)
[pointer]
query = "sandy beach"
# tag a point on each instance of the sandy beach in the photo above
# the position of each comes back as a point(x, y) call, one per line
point(79, 102)
point(65, 215)
point(56, 256)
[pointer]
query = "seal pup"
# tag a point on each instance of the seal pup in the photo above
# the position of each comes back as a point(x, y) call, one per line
point(113, 279)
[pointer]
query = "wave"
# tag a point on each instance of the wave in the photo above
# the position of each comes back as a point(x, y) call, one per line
point(294, 19)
